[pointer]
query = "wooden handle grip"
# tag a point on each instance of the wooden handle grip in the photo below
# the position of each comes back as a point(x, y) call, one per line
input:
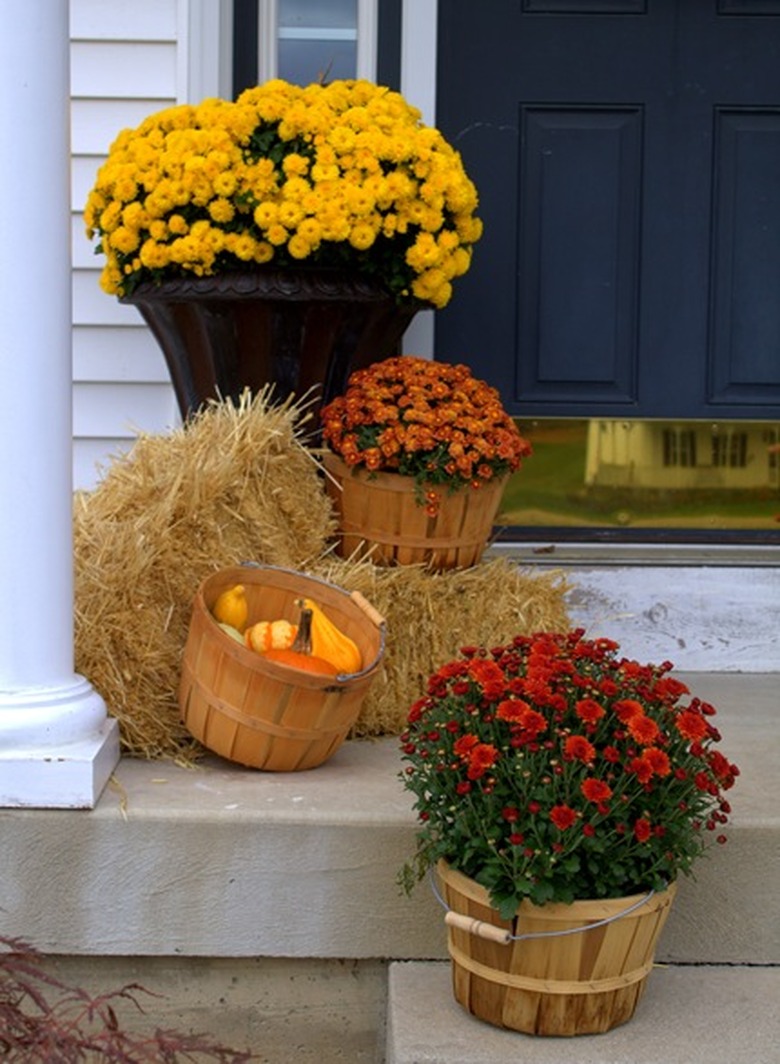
point(373, 615)
point(478, 927)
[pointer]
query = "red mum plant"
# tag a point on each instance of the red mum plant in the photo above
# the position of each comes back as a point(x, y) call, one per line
point(432, 421)
point(554, 769)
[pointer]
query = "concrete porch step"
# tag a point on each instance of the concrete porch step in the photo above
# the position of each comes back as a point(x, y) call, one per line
point(264, 908)
point(688, 1015)
point(219, 861)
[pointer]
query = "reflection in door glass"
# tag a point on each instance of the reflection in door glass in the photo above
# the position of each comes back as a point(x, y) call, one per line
point(317, 42)
point(613, 473)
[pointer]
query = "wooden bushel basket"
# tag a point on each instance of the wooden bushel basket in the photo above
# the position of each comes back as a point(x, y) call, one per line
point(379, 515)
point(585, 980)
point(262, 713)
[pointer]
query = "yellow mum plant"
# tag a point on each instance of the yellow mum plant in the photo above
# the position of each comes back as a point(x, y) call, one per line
point(332, 175)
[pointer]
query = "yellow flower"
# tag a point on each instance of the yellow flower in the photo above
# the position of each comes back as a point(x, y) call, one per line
point(124, 239)
point(362, 236)
point(178, 225)
point(277, 235)
point(263, 252)
point(225, 183)
point(290, 214)
point(310, 230)
point(295, 165)
point(298, 246)
point(346, 171)
point(222, 210)
point(241, 245)
point(158, 229)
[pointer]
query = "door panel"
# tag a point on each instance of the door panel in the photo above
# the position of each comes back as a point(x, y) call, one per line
point(580, 245)
point(627, 157)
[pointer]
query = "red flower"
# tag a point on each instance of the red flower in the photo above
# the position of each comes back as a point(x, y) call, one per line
point(465, 745)
point(510, 813)
point(588, 710)
point(563, 816)
point(512, 709)
point(487, 674)
point(627, 708)
point(482, 757)
point(416, 710)
point(722, 768)
point(641, 768)
point(596, 790)
point(668, 689)
point(658, 761)
point(533, 724)
point(611, 754)
point(642, 830)
point(578, 748)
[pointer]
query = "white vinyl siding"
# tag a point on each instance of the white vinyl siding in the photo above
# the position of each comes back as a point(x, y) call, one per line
point(126, 62)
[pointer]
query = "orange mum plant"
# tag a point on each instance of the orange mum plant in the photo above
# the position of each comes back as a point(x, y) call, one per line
point(432, 421)
point(554, 769)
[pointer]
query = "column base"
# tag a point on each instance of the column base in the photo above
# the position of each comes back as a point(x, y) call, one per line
point(67, 776)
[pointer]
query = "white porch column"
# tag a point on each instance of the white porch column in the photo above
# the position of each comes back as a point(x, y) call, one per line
point(57, 747)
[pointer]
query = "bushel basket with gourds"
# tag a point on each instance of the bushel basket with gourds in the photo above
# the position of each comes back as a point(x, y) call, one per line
point(276, 666)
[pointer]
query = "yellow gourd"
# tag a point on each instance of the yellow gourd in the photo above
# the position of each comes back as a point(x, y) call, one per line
point(270, 635)
point(232, 608)
point(330, 643)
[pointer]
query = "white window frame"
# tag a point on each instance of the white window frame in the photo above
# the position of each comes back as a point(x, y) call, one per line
point(268, 36)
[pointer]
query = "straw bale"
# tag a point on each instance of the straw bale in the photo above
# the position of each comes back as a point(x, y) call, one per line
point(430, 616)
point(236, 483)
point(240, 483)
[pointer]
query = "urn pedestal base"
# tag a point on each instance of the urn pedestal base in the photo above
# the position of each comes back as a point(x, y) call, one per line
point(295, 329)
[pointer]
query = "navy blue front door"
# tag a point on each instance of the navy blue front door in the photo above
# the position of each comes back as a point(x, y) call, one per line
point(627, 156)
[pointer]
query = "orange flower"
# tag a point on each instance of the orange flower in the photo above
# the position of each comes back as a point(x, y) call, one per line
point(691, 725)
point(429, 420)
point(643, 729)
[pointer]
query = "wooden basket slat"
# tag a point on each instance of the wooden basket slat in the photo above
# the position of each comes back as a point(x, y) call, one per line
point(260, 713)
point(581, 983)
point(379, 515)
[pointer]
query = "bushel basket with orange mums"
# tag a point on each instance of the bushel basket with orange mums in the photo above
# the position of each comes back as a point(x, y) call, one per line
point(418, 453)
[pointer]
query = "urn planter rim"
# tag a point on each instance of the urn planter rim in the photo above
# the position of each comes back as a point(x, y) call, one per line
point(291, 283)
